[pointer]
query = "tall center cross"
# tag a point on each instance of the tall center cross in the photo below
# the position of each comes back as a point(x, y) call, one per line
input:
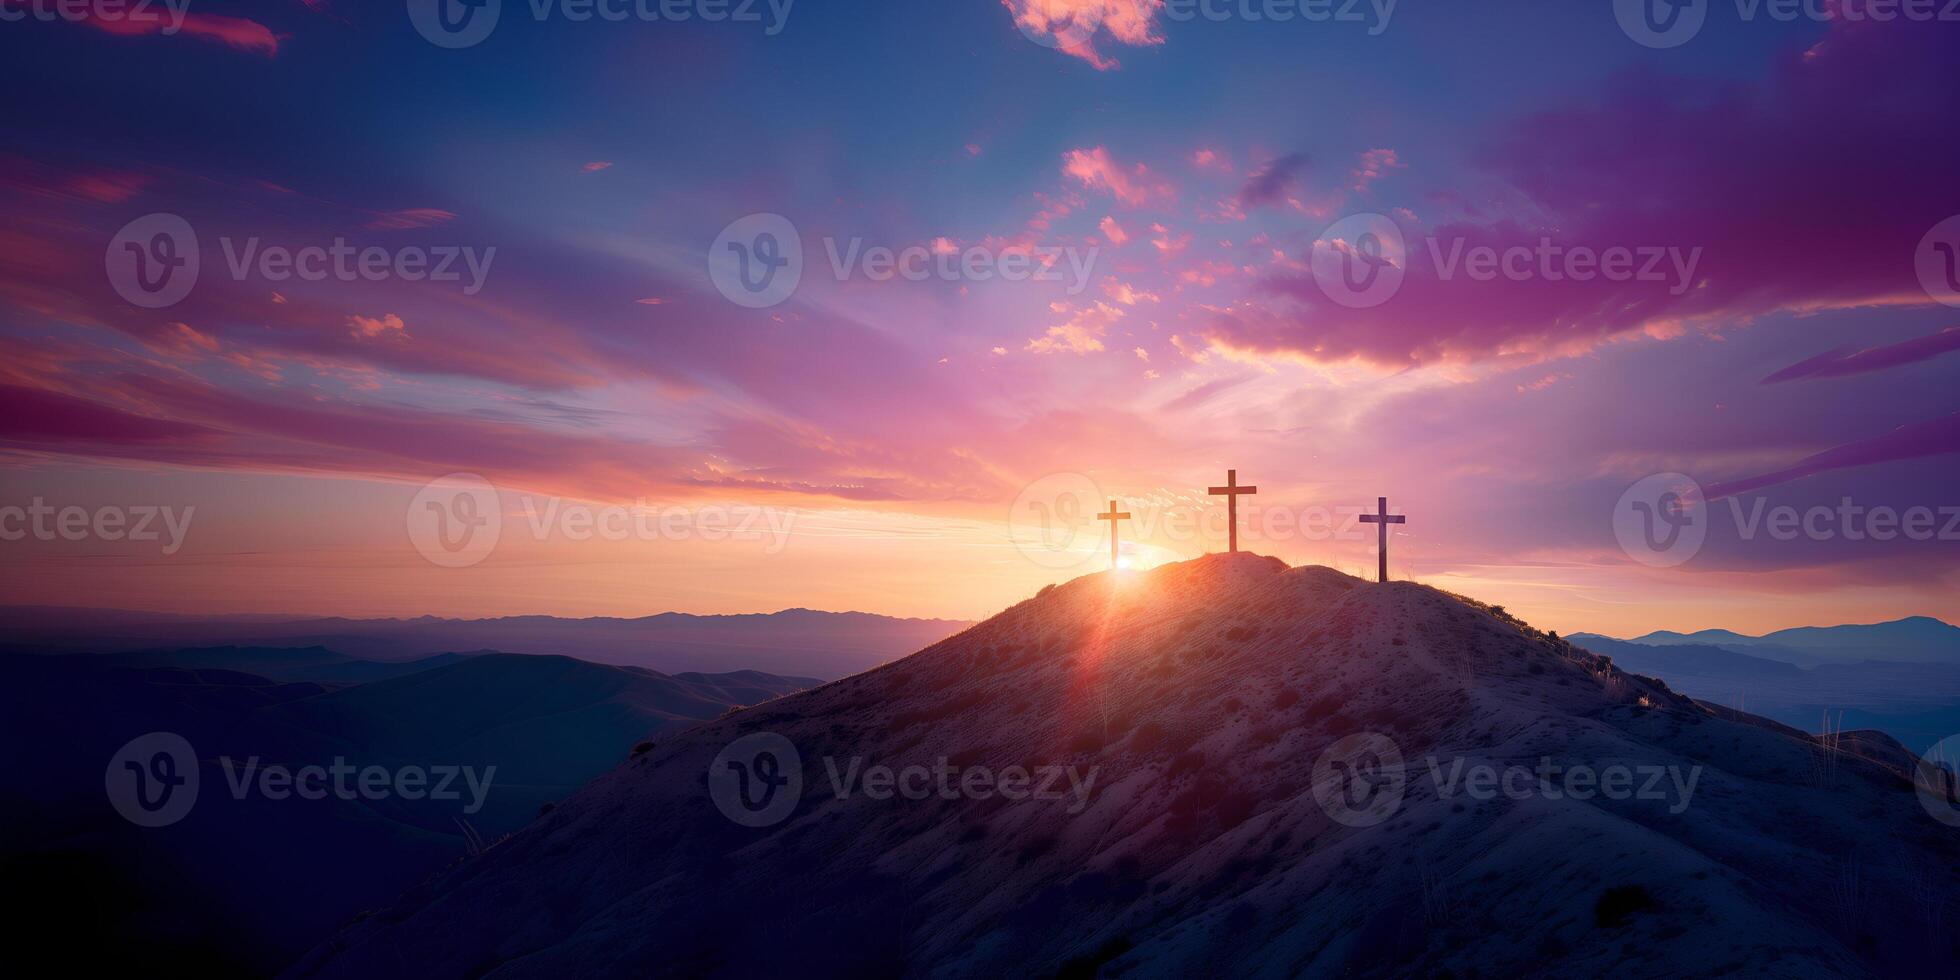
point(1230, 491)
point(1112, 517)
point(1381, 517)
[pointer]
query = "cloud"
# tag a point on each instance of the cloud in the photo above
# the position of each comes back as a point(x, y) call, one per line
point(367, 326)
point(1072, 26)
point(1270, 183)
point(1133, 186)
point(238, 33)
point(595, 166)
point(1596, 175)
point(1113, 231)
point(1373, 165)
point(1081, 334)
point(1930, 438)
point(1838, 364)
point(410, 218)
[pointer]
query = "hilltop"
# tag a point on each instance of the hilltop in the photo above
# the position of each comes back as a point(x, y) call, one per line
point(1210, 706)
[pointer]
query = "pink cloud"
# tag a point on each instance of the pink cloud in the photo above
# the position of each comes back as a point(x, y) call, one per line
point(1373, 165)
point(1113, 231)
point(1594, 176)
point(595, 166)
point(1131, 186)
point(368, 326)
point(1071, 26)
point(1081, 334)
point(233, 32)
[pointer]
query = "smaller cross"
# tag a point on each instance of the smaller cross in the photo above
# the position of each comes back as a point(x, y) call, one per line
point(1230, 491)
point(1112, 517)
point(1381, 517)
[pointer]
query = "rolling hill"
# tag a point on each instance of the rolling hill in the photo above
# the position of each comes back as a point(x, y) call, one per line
point(1250, 774)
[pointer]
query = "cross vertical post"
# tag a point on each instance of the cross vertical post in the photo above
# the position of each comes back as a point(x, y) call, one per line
point(1381, 517)
point(1230, 491)
point(1112, 517)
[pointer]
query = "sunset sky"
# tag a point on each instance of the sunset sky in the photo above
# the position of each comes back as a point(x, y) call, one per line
point(1189, 165)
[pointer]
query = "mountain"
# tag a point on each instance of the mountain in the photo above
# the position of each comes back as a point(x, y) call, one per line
point(246, 882)
point(800, 642)
point(1221, 767)
point(1917, 704)
point(314, 663)
point(1917, 639)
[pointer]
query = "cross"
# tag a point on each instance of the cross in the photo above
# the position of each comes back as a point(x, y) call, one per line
point(1230, 491)
point(1380, 516)
point(1112, 517)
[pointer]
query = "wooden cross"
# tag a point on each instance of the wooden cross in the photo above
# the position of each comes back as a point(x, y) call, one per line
point(1112, 517)
point(1381, 517)
point(1230, 491)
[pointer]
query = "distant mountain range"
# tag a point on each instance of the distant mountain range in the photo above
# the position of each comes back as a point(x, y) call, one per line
point(1902, 677)
point(242, 885)
point(799, 642)
point(1916, 639)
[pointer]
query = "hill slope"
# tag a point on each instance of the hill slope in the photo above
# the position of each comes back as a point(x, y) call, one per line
point(1205, 704)
point(248, 882)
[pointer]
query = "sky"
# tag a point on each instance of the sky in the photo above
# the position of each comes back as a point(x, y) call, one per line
point(875, 305)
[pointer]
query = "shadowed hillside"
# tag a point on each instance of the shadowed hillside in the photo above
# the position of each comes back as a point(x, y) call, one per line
point(1228, 802)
